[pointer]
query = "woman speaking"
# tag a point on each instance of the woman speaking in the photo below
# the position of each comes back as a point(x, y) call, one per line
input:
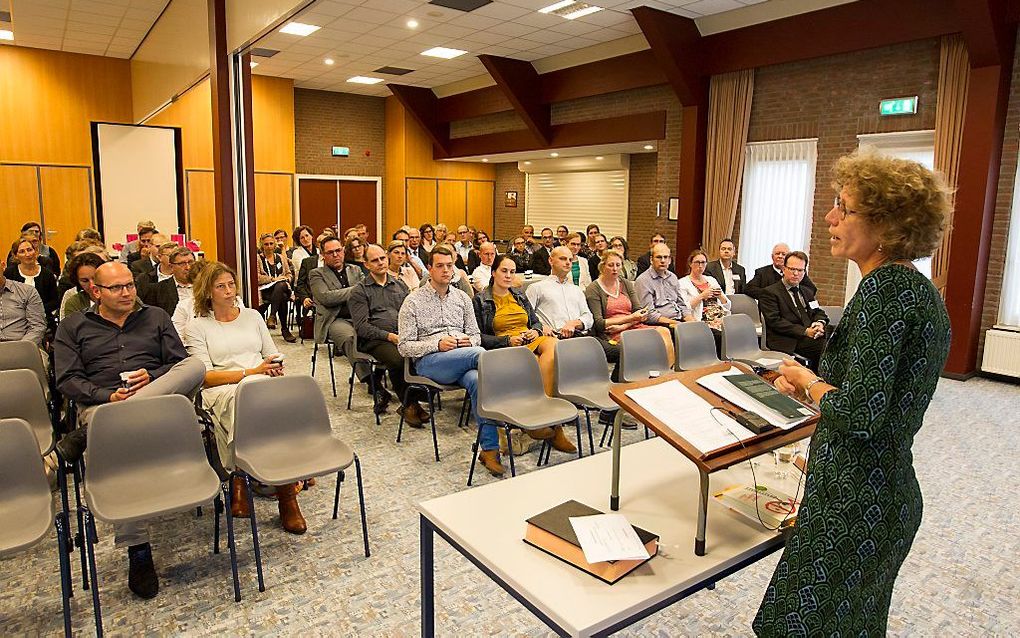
point(862, 502)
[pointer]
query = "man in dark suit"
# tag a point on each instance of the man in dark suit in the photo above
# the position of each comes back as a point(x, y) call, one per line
point(168, 292)
point(331, 287)
point(730, 275)
point(145, 241)
point(768, 275)
point(302, 291)
point(153, 266)
point(540, 256)
point(644, 262)
point(794, 322)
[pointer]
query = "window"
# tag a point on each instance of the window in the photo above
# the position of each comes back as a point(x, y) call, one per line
point(778, 196)
point(576, 199)
point(1009, 302)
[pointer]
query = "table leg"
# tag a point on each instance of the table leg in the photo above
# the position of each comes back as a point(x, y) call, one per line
point(428, 603)
point(614, 494)
point(699, 539)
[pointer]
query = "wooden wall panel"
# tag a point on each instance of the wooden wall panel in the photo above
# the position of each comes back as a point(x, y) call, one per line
point(419, 163)
point(421, 202)
point(272, 117)
point(274, 202)
point(67, 204)
point(479, 206)
point(452, 202)
point(19, 201)
point(192, 112)
point(48, 98)
point(201, 210)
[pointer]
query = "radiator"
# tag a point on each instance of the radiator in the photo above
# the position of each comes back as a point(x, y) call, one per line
point(1002, 353)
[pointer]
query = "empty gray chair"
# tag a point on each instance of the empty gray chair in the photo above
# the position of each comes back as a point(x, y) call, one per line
point(746, 305)
point(695, 345)
point(432, 391)
point(146, 458)
point(582, 377)
point(740, 342)
point(282, 435)
point(21, 397)
point(834, 313)
point(15, 355)
point(28, 508)
point(510, 392)
point(642, 351)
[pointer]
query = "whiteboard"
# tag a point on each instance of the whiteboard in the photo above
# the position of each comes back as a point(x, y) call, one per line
point(137, 178)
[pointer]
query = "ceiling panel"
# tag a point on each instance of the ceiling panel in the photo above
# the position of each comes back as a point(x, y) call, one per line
point(112, 28)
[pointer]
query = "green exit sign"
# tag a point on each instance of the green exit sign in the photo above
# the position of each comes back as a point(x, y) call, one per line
point(898, 106)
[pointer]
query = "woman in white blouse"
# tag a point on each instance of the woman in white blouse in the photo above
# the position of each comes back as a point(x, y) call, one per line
point(304, 246)
point(234, 343)
point(704, 296)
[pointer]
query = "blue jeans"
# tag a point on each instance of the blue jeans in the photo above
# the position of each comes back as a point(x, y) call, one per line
point(460, 367)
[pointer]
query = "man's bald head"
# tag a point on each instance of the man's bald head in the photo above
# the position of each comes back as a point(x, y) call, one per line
point(111, 271)
point(559, 261)
point(660, 258)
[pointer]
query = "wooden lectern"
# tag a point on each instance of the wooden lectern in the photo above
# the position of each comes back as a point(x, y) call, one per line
point(709, 462)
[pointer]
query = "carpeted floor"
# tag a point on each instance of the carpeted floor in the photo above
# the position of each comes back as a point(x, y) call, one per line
point(961, 577)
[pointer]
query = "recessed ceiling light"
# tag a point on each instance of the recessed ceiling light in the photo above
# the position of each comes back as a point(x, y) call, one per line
point(443, 52)
point(412, 24)
point(485, 159)
point(570, 9)
point(253, 64)
point(361, 79)
point(328, 61)
point(299, 28)
point(6, 34)
point(599, 157)
point(527, 163)
point(554, 154)
point(557, 6)
point(648, 147)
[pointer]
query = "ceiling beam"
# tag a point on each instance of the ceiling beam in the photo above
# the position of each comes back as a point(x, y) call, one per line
point(987, 30)
point(519, 82)
point(423, 105)
point(676, 45)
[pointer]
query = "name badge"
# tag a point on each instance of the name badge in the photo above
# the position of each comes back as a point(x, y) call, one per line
point(813, 305)
point(736, 277)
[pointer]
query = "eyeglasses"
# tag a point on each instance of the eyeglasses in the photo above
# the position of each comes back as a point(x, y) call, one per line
point(182, 263)
point(336, 251)
point(117, 288)
point(796, 271)
point(841, 205)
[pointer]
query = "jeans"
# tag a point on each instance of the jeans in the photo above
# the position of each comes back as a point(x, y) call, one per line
point(460, 367)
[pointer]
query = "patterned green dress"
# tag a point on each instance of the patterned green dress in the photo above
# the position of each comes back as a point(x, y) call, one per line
point(862, 503)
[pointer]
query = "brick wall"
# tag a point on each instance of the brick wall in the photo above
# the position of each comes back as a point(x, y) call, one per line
point(508, 221)
point(323, 119)
point(835, 99)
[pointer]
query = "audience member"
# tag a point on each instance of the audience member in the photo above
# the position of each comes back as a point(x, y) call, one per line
point(528, 233)
point(146, 280)
point(416, 254)
point(482, 274)
point(475, 258)
point(305, 246)
point(280, 235)
point(139, 248)
point(82, 268)
point(559, 304)
point(118, 350)
point(659, 290)
point(428, 240)
point(463, 244)
point(730, 275)
point(331, 286)
point(185, 310)
point(90, 234)
point(561, 235)
point(704, 296)
point(542, 250)
point(45, 262)
point(644, 262)
point(794, 322)
point(148, 259)
point(363, 236)
point(601, 244)
point(519, 253)
point(274, 286)
point(354, 253)
point(168, 292)
point(620, 245)
point(28, 271)
point(396, 256)
point(22, 316)
point(302, 291)
point(440, 231)
point(580, 272)
point(773, 273)
point(438, 332)
point(46, 253)
point(234, 344)
point(588, 245)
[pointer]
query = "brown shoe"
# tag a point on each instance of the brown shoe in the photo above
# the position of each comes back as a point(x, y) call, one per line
point(422, 413)
point(411, 416)
point(561, 442)
point(271, 323)
point(541, 434)
point(239, 498)
point(490, 459)
point(290, 513)
point(288, 336)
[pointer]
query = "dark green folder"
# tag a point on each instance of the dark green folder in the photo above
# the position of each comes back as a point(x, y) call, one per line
point(756, 388)
point(556, 521)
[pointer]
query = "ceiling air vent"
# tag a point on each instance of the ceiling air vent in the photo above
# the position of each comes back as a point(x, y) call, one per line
point(264, 53)
point(393, 70)
point(460, 5)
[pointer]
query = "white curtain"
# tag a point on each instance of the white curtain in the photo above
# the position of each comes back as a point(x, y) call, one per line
point(778, 197)
point(1009, 304)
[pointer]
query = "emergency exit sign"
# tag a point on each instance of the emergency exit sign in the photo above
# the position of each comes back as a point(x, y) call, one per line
point(898, 106)
point(340, 151)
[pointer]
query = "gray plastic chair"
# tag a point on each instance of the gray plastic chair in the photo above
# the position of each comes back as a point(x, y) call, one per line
point(15, 355)
point(21, 397)
point(695, 345)
point(835, 314)
point(642, 351)
point(28, 510)
point(740, 342)
point(582, 377)
point(282, 435)
point(510, 392)
point(432, 390)
point(747, 305)
point(146, 458)
point(374, 364)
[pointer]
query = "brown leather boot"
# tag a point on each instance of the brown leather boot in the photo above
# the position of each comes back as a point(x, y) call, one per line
point(490, 459)
point(561, 442)
point(239, 498)
point(422, 413)
point(411, 416)
point(541, 434)
point(290, 513)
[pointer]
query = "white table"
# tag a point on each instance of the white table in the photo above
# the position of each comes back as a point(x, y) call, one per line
point(486, 525)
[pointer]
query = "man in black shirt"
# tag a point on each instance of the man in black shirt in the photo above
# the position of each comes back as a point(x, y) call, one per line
point(540, 256)
point(92, 349)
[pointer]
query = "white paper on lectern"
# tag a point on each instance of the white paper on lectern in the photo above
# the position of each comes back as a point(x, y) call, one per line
point(689, 415)
point(607, 537)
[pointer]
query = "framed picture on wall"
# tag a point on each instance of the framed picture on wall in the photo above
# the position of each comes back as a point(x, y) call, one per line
point(674, 209)
point(511, 200)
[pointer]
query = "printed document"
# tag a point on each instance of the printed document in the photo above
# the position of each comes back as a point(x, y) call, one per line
point(607, 537)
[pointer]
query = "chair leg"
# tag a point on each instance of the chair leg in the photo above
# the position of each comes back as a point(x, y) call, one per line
point(66, 588)
point(607, 431)
point(646, 431)
point(315, 353)
point(65, 509)
point(577, 426)
point(509, 450)
point(254, 533)
point(231, 545)
point(361, 499)
point(350, 388)
point(90, 539)
point(336, 496)
point(332, 375)
point(474, 455)
point(372, 387)
point(432, 423)
point(80, 539)
point(217, 510)
point(591, 438)
point(465, 413)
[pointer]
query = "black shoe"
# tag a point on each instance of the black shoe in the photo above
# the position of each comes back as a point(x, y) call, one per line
point(382, 400)
point(142, 579)
point(72, 445)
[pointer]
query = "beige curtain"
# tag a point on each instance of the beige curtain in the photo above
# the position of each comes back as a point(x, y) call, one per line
point(954, 74)
point(729, 114)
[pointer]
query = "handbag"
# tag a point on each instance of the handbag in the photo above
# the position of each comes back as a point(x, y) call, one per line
point(307, 330)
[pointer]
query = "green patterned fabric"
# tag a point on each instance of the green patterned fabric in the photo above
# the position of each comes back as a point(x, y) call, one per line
point(862, 504)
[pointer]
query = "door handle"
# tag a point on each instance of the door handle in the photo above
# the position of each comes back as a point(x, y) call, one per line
point(51, 232)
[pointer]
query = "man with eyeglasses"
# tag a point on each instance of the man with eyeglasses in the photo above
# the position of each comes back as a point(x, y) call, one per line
point(463, 245)
point(331, 286)
point(730, 275)
point(659, 290)
point(794, 322)
point(540, 256)
point(168, 292)
point(115, 351)
point(644, 262)
point(772, 273)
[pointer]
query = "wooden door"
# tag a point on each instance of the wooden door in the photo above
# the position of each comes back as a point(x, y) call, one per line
point(421, 202)
point(358, 206)
point(274, 201)
point(66, 204)
point(201, 196)
point(19, 203)
point(318, 203)
point(479, 206)
point(452, 203)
